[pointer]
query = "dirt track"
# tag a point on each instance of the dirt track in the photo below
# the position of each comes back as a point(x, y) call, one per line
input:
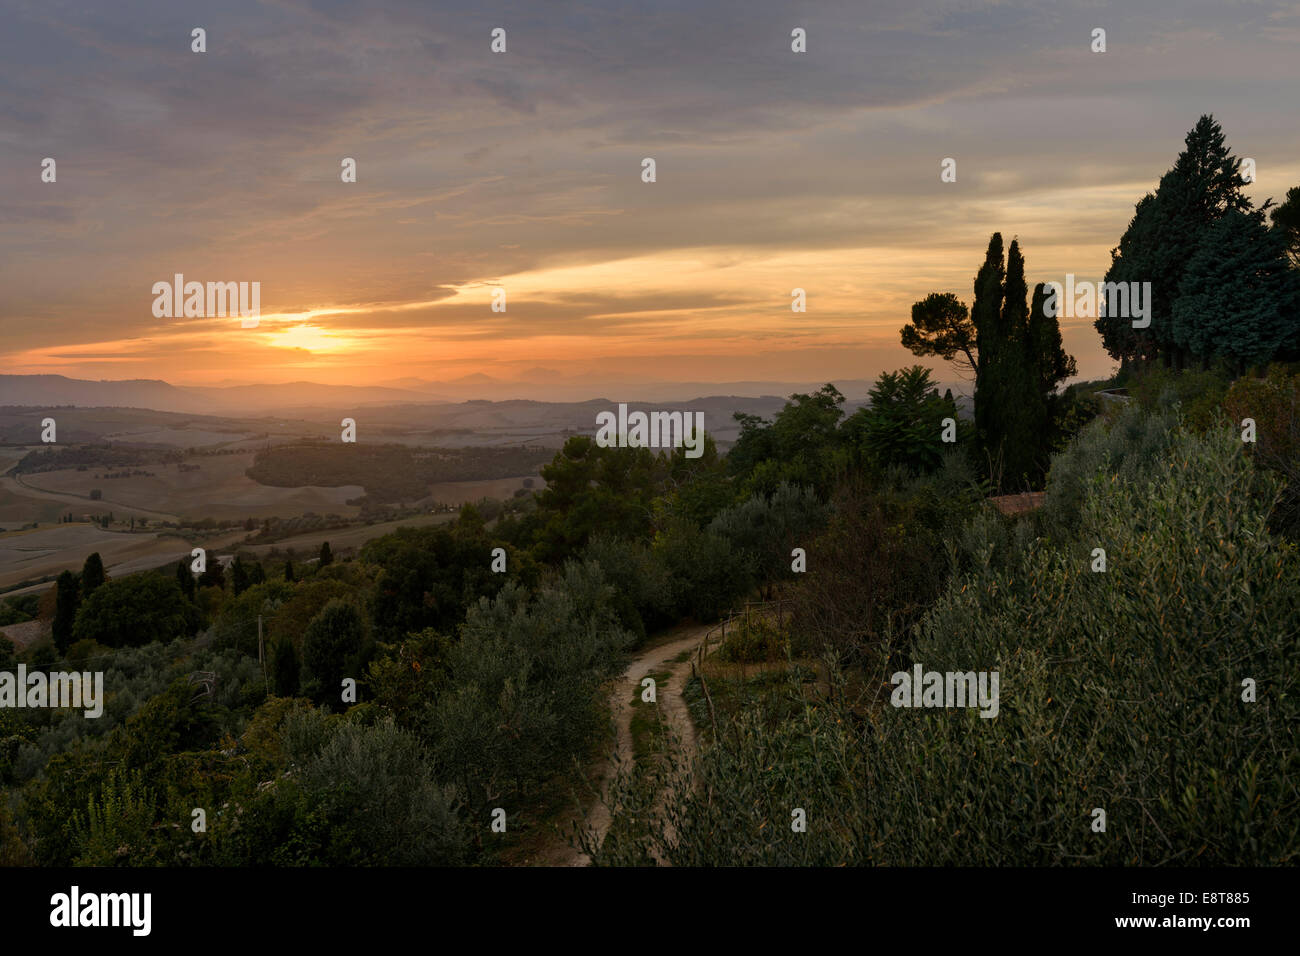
point(672, 706)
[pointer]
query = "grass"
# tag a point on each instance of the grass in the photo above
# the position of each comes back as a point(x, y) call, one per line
point(647, 722)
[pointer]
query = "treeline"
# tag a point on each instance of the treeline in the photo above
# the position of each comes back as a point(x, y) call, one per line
point(389, 473)
point(84, 457)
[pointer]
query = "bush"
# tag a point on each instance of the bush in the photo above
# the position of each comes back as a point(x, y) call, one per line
point(1199, 394)
point(135, 610)
point(1273, 403)
point(525, 677)
point(753, 642)
point(1120, 690)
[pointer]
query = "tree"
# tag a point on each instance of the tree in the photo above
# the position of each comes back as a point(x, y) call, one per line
point(802, 445)
point(1286, 220)
point(592, 489)
point(136, 610)
point(1240, 299)
point(65, 609)
point(1051, 363)
point(903, 425)
point(213, 576)
point(238, 577)
point(986, 316)
point(941, 326)
point(1204, 184)
point(1021, 416)
point(284, 668)
point(325, 556)
point(288, 570)
point(92, 574)
point(332, 648)
point(185, 578)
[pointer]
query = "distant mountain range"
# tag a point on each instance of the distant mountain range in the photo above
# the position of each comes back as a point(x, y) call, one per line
point(46, 390)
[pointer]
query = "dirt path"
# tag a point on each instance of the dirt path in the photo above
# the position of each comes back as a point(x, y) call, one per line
point(671, 704)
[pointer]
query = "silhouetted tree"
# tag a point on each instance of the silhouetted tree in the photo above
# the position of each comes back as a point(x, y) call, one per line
point(66, 602)
point(185, 578)
point(941, 326)
point(92, 574)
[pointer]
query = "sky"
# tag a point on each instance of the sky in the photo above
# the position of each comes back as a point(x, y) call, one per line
point(523, 170)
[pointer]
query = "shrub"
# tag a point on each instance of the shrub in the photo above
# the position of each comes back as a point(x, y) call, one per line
point(1120, 690)
point(1273, 403)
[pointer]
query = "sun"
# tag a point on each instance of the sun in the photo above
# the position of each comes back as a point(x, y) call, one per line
point(307, 337)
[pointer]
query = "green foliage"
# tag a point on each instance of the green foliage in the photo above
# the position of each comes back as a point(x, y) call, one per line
point(1129, 449)
point(800, 446)
point(429, 576)
point(334, 646)
point(239, 580)
point(1168, 228)
point(185, 578)
point(1286, 220)
point(1273, 403)
point(644, 592)
point(904, 424)
point(1198, 395)
point(1121, 690)
point(135, 610)
point(707, 572)
point(1239, 298)
point(762, 532)
point(1011, 393)
point(872, 572)
point(755, 641)
point(403, 678)
point(284, 668)
point(590, 489)
point(116, 828)
point(381, 806)
point(524, 676)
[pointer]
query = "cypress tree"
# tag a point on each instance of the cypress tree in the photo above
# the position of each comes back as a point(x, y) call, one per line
point(238, 577)
point(986, 316)
point(288, 570)
point(92, 574)
point(325, 556)
point(1051, 363)
point(1022, 414)
point(284, 668)
point(185, 578)
point(67, 600)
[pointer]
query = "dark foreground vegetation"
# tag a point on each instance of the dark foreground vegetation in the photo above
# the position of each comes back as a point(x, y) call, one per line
point(478, 689)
